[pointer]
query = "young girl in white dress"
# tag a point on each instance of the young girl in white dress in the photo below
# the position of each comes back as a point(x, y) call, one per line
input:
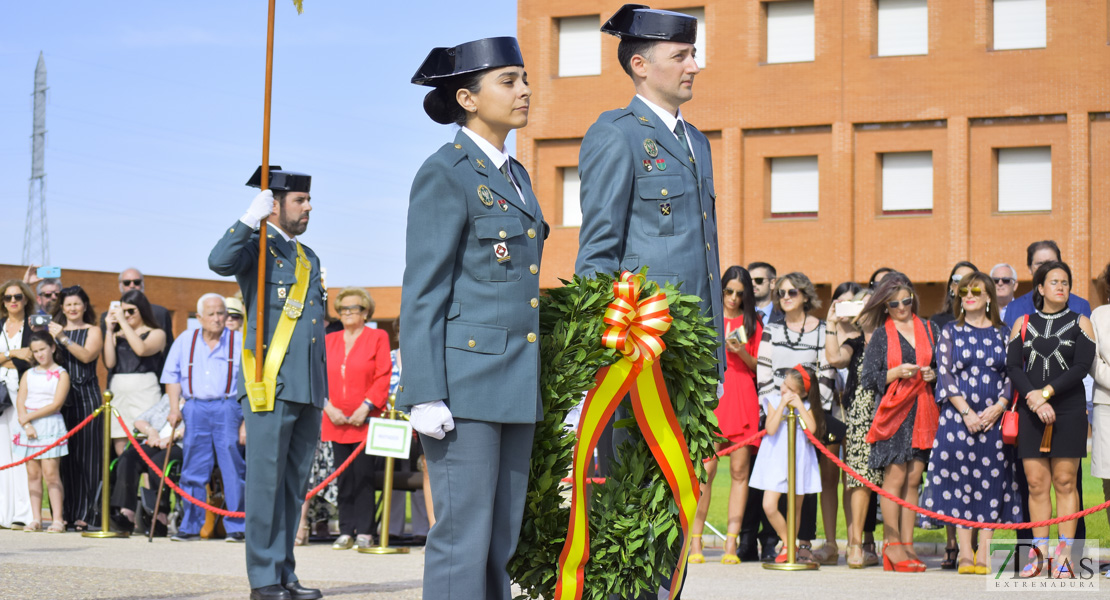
point(800, 392)
point(42, 391)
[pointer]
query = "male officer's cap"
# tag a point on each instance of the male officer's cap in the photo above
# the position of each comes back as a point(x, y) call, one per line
point(479, 55)
point(641, 22)
point(282, 181)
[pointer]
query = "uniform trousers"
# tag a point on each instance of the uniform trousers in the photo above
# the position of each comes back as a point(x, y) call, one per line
point(357, 508)
point(212, 438)
point(280, 447)
point(479, 477)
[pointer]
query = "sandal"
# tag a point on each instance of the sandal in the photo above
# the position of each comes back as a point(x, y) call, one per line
point(33, 526)
point(727, 558)
point(1033, 567)
point(56, 527)
point(828, 554)
point(805, 553)
point(854, 562)
point(870, 554)
point(80, 526)
point(1064, 570)
point(696, 557)
point(302, 536)
point(949, 561)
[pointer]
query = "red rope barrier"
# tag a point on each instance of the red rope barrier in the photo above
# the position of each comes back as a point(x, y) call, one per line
point(945, 518)
point(57, 443)
point(220, 511)
point(735, 447)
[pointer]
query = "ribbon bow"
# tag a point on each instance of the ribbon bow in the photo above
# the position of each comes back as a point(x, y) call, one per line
point(54, 375)
point(636, 327)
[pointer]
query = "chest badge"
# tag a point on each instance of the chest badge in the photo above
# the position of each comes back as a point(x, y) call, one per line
point(647, 165)
point(661, 164)
point(665, 209)
point(280, 264)
point(504, 204)
point(644, 119)
point(485, 195)
point(281, 292)
point(481, 163)
point(501, 252)
point(650, 147)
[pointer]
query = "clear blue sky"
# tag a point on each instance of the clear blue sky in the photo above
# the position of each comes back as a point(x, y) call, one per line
point(154, 121)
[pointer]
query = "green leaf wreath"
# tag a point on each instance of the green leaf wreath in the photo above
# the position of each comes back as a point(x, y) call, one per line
point(634, 508)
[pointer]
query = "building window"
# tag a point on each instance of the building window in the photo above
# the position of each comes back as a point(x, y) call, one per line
point(794, 186)
point(572, 203)
point(579, 46)
point(791, 33)
point(903, 27)
point(699, 45)
point(1025, 179)
point(1020, 24)
point(907, 182)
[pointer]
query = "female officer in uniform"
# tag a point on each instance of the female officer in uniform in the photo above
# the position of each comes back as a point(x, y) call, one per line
point(470, 318)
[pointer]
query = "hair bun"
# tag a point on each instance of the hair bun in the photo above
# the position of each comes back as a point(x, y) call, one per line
point(435, 104)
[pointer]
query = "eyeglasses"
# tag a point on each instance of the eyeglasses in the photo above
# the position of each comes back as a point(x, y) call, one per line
point(13, 297)
point(127, 312)
point(758, 280)
point(1004, 281)
point(792, 292)
point(234, 316)
point(346, 310)
point(903, 302)
point(131, 282)
point(49, 294)
point(729, 292)
point(975, 291)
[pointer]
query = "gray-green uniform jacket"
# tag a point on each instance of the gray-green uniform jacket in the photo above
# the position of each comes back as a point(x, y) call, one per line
point(470, 297)
point(645, 203)
point(304, 375)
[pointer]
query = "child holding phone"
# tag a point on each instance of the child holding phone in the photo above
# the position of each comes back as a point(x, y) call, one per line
point(42, 391)
point(799, 391)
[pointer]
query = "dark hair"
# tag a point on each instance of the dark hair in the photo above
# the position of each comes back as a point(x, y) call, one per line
point(949, 297)
point(845, 288)
point(987, 283)
point(874, 312)
point(762, 265)
point(441, 104)
point(800, 281)
point(879, 271)
point(138, 299)
point(814, 397)
point(630, 47)
point(747, 297)
point(44, 337)
point(1041, 245)
point(1103, 281)
point(89, 316)
point(29, 304)
point(1042, 274)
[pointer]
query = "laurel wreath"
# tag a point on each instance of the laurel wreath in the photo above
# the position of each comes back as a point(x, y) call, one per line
point(635, 533)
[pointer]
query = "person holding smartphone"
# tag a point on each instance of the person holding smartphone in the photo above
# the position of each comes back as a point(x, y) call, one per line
point(899, 366)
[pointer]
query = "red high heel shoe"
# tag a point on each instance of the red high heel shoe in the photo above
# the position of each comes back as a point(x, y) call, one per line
point(906, 566)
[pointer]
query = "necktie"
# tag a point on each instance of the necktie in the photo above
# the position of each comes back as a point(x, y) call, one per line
point(505, 171)
point(680, 131)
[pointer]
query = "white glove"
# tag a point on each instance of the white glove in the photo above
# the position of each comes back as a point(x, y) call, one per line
point(433, 419)
point(261, 208)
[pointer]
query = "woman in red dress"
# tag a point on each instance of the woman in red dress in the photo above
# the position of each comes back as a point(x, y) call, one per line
point(738, 411)
point(359, 366)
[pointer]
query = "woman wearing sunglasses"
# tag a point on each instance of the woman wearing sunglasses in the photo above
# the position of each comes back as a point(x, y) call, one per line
point(798, 339)
point(131, 354)
point(1047, 364)
point(898, 365)
point(18, 303)
point(973, 390)
point(737, 412)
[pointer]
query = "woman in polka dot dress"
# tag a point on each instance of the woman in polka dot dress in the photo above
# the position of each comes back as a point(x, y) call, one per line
point(971, 472)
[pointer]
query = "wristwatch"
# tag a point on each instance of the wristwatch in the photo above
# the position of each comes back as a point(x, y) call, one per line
point(965, 411)
point(1046, 394)
point(7, 354)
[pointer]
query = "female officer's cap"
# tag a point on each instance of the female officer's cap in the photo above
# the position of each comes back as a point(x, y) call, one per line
point(282, 181)
point(640, 21)
point(479, 55)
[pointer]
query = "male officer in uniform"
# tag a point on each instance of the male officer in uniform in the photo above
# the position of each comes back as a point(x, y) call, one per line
point(647, 175)
point(282, 414)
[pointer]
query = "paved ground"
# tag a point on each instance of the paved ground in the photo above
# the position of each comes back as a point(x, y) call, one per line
point(44, 566)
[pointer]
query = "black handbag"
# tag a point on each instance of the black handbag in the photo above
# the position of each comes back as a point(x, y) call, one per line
point(5, 399)
point(835, 430)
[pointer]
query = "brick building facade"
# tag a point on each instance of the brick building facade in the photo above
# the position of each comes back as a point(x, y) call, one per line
point(811, 106)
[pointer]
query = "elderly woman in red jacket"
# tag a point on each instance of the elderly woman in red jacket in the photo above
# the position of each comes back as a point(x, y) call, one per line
point(358, 384)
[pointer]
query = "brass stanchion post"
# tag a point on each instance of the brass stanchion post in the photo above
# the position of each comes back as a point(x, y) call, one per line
point(387, 498)
point(791, 503)
point(105, 528)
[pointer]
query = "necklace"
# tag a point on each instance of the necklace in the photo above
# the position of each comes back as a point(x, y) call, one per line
point(801, 334)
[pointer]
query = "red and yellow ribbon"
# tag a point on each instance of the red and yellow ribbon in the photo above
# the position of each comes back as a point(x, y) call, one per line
point(635, 329)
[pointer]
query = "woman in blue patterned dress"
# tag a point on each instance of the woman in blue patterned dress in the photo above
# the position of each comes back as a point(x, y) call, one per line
point(971, 472)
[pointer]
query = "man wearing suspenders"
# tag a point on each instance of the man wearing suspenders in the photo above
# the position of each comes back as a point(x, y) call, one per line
point(203, 368)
